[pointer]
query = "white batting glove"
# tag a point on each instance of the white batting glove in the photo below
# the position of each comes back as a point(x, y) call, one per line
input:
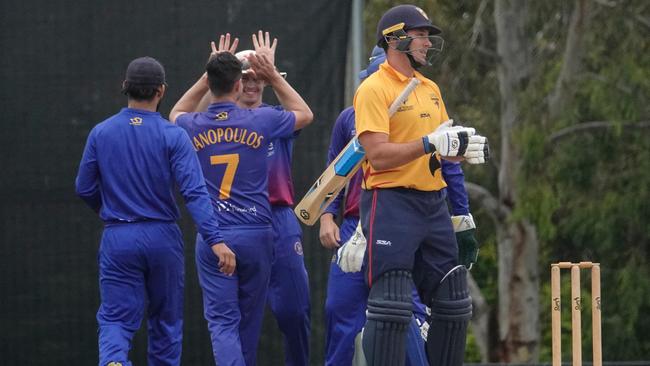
point(478, 150)
point(450, 140)
point(349, 257)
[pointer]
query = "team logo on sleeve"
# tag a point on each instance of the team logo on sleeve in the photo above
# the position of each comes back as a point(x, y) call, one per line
point(298, 248)
point(135, 121)
point(221, 116)
point(115, 364)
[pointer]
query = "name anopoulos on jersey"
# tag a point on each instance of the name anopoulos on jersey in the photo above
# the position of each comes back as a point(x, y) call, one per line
point(228, 134)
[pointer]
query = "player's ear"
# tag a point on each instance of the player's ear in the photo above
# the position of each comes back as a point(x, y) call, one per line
point(161, 90)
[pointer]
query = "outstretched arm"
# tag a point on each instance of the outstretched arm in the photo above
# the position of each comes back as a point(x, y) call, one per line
point(189, 102)
point(197, 98)
point(288, 97)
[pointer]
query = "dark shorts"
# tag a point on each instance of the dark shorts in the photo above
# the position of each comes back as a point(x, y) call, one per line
point(408, 229)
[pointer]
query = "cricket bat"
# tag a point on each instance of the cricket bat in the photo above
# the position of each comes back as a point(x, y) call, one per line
point(340, 170)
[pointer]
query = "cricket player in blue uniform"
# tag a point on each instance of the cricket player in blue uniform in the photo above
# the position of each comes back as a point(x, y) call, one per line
point(288, 295)
point(347, 292)
point(232, 145)
point(127, 174)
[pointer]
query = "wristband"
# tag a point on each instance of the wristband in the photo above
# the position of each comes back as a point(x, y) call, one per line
point(427, 145)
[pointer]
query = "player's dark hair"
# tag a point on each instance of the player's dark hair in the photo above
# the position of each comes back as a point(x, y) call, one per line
point(223, 70)
point(139, 92)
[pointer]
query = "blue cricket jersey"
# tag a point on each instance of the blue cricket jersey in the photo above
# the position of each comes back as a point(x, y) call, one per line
point(280, 156)
point(129, 166)
point(344, 130)
point(232, 144)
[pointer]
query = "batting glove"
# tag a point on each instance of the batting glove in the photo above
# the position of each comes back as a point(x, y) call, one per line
point(465, 229)
point(477, 152)
point(450, 140)
point(349, 257)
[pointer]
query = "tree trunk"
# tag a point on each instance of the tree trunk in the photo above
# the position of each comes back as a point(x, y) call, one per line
point(518, 314)
point(518, 282)
point(571, 60)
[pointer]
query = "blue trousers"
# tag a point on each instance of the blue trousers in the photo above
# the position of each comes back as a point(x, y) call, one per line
point(345, 312)
point(288, 294)
point(234, 305)
point(141, 266)
point(345, 306)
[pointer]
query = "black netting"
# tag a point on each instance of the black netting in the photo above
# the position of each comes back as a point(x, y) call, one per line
point(61, 72)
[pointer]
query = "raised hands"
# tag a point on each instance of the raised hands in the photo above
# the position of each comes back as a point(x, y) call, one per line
point(263, 46)
point(263, 67)
point(224, 45)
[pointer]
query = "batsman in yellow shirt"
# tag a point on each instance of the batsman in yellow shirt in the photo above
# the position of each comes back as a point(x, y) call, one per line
point(404, 215)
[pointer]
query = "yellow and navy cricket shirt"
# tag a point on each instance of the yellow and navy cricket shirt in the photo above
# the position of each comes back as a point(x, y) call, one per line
point(418, 116)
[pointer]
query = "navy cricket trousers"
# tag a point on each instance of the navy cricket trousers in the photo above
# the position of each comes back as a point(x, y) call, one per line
point(407, 229)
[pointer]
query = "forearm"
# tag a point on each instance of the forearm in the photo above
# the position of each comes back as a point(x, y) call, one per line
point(202, 212)
point(389, 155)
point(189, 102)
point(456, 193)
point(94, 201)
point(205, 102)
point(197, 200)
point(88, 190)
point(87, 181)
point(326, 218)
point(291, 101)
point(334, 206)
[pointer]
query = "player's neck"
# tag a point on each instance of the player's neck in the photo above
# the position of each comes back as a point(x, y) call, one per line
point(151, 106)
point(402, 64)
point(252, 105)
point(227, 98)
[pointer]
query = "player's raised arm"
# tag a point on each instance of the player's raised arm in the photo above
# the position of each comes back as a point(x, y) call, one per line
point(196, 98)
point(287, 96)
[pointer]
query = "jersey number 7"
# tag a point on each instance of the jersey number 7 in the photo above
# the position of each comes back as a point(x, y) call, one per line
point(231, 161)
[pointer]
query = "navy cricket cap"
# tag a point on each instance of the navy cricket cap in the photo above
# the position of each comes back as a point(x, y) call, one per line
point(145, 71)
point(377, 57)
point(405, 17)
